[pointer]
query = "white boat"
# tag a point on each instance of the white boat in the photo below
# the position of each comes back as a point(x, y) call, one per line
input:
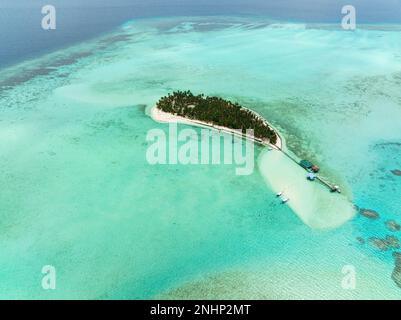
point(335, 189)
point(279, 194)
point(284, 200)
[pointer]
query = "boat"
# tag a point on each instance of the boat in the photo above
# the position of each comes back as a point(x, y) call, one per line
point(335, 189)
point(279, 194)
point(310, 176)
point(284, 200)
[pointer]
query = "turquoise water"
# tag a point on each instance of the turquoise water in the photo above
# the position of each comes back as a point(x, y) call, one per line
point(78, 193)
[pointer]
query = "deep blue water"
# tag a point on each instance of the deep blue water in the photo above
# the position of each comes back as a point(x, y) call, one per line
point(21, 36)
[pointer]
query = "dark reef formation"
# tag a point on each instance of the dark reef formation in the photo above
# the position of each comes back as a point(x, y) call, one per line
point(393, 242)
point(389, 242)
point(396, 172)
point(368, 213)
point(392, 225)
point(378, 243)
point(360, 240)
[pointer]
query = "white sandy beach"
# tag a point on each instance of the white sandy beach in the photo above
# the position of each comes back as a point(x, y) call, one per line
point(164, 117)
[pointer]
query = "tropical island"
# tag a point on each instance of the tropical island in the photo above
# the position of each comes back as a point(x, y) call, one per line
point(218, 112)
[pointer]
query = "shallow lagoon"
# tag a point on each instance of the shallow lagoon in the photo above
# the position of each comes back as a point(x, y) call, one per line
point(78, 193)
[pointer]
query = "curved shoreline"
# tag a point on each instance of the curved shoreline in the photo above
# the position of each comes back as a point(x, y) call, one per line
point(163, 117)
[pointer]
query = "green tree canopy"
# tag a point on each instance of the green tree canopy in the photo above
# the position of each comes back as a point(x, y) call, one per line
point(216, 111)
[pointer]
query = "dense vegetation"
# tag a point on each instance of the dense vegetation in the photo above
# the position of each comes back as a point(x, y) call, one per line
point(216, 111)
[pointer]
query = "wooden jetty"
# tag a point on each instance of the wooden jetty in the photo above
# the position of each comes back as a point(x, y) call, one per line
point(332, 187)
